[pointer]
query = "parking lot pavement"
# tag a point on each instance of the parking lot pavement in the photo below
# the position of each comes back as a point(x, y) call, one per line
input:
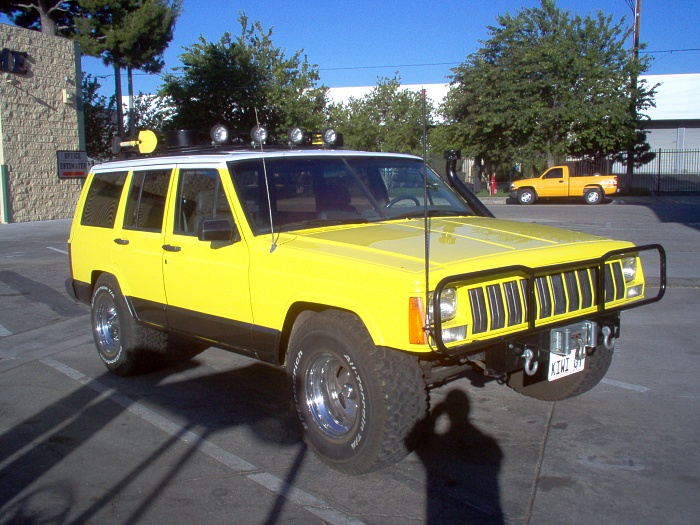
point(212, 441)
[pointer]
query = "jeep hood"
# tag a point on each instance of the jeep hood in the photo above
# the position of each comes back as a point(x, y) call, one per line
point(480, 242)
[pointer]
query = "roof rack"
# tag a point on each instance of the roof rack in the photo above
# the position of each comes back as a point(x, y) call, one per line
point(220, 139)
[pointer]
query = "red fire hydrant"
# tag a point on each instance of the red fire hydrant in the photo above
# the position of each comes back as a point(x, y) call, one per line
point(492, 186)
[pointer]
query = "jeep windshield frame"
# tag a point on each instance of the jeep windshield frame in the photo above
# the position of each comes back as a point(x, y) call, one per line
point(327, 190)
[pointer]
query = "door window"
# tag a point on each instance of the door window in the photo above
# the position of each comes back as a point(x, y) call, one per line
point(199, 197)
point(145, 206)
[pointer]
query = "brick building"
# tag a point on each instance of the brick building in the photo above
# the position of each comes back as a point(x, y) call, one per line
point(40, 115)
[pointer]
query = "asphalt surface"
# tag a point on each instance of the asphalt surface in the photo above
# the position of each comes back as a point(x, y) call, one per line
point(212, 441)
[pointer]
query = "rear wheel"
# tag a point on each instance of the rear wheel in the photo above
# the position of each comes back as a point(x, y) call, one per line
point(126, 347)
point(597, 363)
point(121, 343)
point(593, 196)
point(358, 404)
point(526, 196)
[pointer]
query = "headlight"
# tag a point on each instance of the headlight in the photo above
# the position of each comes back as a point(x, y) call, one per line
point(448, 304)
point(629, 268)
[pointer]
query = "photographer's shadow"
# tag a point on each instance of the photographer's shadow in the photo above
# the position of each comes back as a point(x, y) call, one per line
point(462, 465)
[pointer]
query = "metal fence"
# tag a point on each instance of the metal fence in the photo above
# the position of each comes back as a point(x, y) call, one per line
point(671, 171)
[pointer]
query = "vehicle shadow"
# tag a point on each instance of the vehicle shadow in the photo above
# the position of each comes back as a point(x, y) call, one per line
point(252, 396)
point(39, 292)
point(462, 465)
point(562, 200)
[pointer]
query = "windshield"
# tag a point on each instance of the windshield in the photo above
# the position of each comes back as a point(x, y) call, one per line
point(310, 192)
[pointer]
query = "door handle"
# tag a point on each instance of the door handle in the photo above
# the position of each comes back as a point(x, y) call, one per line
point(171, 248)
point(121, 241)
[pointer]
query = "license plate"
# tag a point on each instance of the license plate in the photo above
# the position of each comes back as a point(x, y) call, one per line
point(564, 365)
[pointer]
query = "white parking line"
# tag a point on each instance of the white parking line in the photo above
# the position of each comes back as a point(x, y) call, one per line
point(627, 386)
point(4, 332)
point(64, 252)
point(303, 499)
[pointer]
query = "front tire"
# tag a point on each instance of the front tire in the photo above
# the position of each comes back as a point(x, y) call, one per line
point(358, 404)
point(526, 196)
point(597, 363)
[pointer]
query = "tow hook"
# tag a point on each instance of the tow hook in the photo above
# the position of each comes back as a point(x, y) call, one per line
point(530, 366)
point(608, 340)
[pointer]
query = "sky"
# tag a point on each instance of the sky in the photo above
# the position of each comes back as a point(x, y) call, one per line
point(356, 43)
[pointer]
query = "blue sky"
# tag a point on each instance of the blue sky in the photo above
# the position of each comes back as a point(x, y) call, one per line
point(355, 43)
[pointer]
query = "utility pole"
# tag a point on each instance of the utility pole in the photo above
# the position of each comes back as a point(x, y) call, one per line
point(633, 86)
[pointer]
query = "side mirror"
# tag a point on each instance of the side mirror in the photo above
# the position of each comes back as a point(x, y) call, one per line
point(218, 230)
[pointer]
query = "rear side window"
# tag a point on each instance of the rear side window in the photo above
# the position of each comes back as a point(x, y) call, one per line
point(102, 199)
point(145, 206)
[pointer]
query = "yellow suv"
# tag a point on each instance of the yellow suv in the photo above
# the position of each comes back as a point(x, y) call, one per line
point(367, 276)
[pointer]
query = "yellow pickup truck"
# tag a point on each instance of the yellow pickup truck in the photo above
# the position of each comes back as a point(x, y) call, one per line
point(559, 182)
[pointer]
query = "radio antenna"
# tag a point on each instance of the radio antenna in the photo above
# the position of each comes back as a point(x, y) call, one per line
point(426, 223)
point(267, 184)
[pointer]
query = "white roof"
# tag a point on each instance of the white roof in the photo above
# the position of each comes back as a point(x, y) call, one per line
point(677, 96)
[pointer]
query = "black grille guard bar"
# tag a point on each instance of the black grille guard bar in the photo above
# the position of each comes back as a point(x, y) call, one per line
point(599, 263)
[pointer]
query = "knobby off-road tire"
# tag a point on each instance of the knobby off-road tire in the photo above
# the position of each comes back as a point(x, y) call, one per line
point(125, 347)
point(359, 404)
point(597, 363)
point(526, 196)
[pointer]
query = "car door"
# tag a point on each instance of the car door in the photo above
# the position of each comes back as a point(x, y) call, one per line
point(206, 282)
point(553, 183)
point(138, 245)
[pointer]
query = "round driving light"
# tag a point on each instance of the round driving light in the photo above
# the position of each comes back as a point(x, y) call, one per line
point(219, 134)
point(330, 136)
point(295, 135)
point(259, 134)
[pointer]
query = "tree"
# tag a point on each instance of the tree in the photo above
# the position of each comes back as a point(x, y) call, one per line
point(386, 119)
point(100, 120)
point(53, 17)
point(151, 112)
point(131, 34)
point(227, 81)
point(546, 85)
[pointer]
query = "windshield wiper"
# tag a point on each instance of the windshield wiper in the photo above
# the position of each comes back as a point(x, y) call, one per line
point(314, 223)
point(417, 214)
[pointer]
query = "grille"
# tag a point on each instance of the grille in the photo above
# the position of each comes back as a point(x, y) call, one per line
point(505, 304)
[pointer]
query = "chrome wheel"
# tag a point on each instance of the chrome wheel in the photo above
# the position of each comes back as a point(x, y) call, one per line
point(331, 395)
point(107, 326)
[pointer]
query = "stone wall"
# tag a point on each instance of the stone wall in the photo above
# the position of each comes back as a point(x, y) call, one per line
point(39, 115)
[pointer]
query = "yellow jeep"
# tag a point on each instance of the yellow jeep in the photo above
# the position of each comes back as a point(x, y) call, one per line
point(368, 277)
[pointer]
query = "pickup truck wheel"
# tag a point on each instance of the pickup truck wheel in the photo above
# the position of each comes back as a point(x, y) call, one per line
point(526, 196)
point(597, 363)
point(593, 196)
point(123, 345)
point(359, 404)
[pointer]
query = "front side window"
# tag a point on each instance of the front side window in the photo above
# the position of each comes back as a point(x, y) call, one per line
point(199, 196)
point(102, 199)
point(555, 173)
point(315, 191)
point(145, 206)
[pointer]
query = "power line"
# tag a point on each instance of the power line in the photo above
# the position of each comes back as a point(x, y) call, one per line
point(429, 64)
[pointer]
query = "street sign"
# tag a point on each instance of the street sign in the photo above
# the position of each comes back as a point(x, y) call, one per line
point(72, 164)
